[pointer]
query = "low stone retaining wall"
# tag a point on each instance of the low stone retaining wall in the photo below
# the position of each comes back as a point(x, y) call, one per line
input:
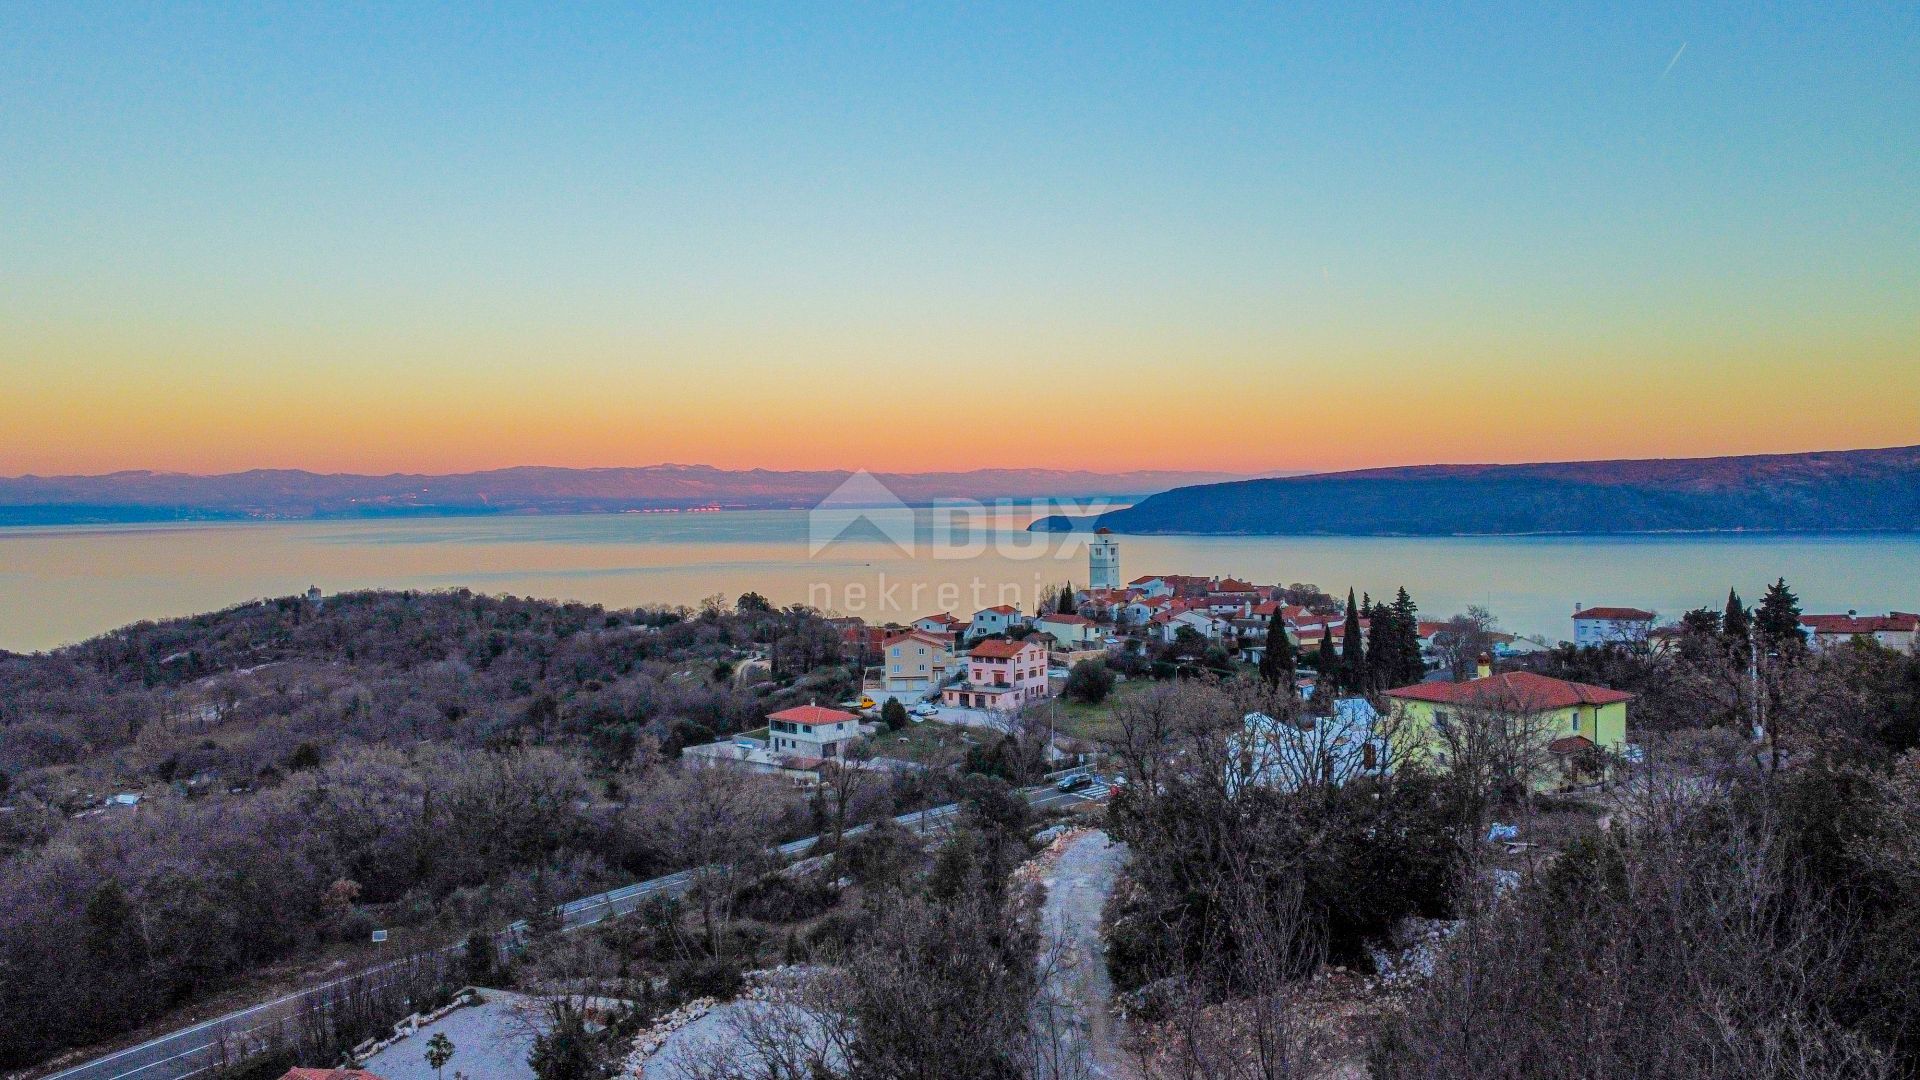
point(465, 996)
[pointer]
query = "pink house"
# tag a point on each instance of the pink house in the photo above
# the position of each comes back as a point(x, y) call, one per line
point(1001, 675)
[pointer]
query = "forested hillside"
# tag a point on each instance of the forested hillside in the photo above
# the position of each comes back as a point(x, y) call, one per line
point(307, 772)
point(1823, 492)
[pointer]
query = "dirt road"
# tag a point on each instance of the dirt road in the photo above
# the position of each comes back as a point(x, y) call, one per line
point(1076, 1004)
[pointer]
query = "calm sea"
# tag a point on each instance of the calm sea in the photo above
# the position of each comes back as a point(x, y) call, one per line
point(60, 585)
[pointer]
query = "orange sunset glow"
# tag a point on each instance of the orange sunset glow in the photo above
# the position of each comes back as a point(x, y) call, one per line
point(690, 248)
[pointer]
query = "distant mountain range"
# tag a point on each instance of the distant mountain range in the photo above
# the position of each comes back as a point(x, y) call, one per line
point(1835, 491)
point(294, 494)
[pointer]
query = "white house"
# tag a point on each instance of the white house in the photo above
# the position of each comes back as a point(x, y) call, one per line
point(1072, 632)
point(1611, 626)
point(997, 619)
point(1230, 604)
point(1287, 755)
point(943, 623)
point(1151, 586)
point(1206, 624)
point(811, 731)
point(1138, 611)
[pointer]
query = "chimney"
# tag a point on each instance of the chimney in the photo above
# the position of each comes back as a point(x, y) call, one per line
point(1576, 607)
point(1484, 668)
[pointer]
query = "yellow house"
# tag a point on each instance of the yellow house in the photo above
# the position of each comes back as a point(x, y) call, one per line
point(1571, 719)
point(915, 661)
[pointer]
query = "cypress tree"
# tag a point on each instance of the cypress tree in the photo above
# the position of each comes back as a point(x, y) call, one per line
point(1409, 668)
point(1381, 647)
point(1277, 662)
point(1326, 664)
point(1736, 623)
point(1777, 622)
point(1353, 651)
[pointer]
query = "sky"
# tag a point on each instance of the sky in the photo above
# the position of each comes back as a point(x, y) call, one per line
point(435, 238)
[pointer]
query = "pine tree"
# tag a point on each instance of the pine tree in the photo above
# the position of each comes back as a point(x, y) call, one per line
point(439, 1052)
point(1777, 622)
point(1353, 653)
point(1066, 599)
point(1277, 664)
point(893, 714)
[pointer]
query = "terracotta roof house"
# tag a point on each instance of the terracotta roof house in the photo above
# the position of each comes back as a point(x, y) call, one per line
point(1001, 675)
point(915, 661)
point(996, 649)
point(997, 619)
point(1610, 625)
point(1630, 614)
point(1513, 691)
point(811, 731)
point(1898, 630)
point(1572, 718)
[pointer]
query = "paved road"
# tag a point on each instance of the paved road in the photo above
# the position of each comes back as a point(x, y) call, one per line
point(223, 1040)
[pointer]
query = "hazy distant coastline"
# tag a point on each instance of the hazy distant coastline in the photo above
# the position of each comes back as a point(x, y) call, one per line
point(295, 495)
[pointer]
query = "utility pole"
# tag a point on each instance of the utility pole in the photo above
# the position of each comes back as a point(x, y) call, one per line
point(1051, 702)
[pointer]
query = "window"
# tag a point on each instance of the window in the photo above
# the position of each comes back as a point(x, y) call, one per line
point(1576, 721)
point(1442, 721)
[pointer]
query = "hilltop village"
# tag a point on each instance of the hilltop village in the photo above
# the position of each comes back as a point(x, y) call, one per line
point(1001, 669)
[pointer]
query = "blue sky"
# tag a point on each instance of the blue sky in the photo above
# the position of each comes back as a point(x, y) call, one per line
point(591, 225)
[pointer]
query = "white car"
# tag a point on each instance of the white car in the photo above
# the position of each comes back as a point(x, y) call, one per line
point(926, 708)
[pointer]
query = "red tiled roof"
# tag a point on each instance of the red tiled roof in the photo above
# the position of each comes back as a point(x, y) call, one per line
point(1521, 691)
point(811, 714)
point(1269, 607)
point(1067, 620)
point(937, 641)
point(1002, 609)
point(1861, 624)
point(998, 650)
point(1628, 614)
point(1232, 585)
point(944, 617)
point(1570, 744)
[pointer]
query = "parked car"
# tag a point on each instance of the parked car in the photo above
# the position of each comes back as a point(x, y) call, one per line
point(1074, 782)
